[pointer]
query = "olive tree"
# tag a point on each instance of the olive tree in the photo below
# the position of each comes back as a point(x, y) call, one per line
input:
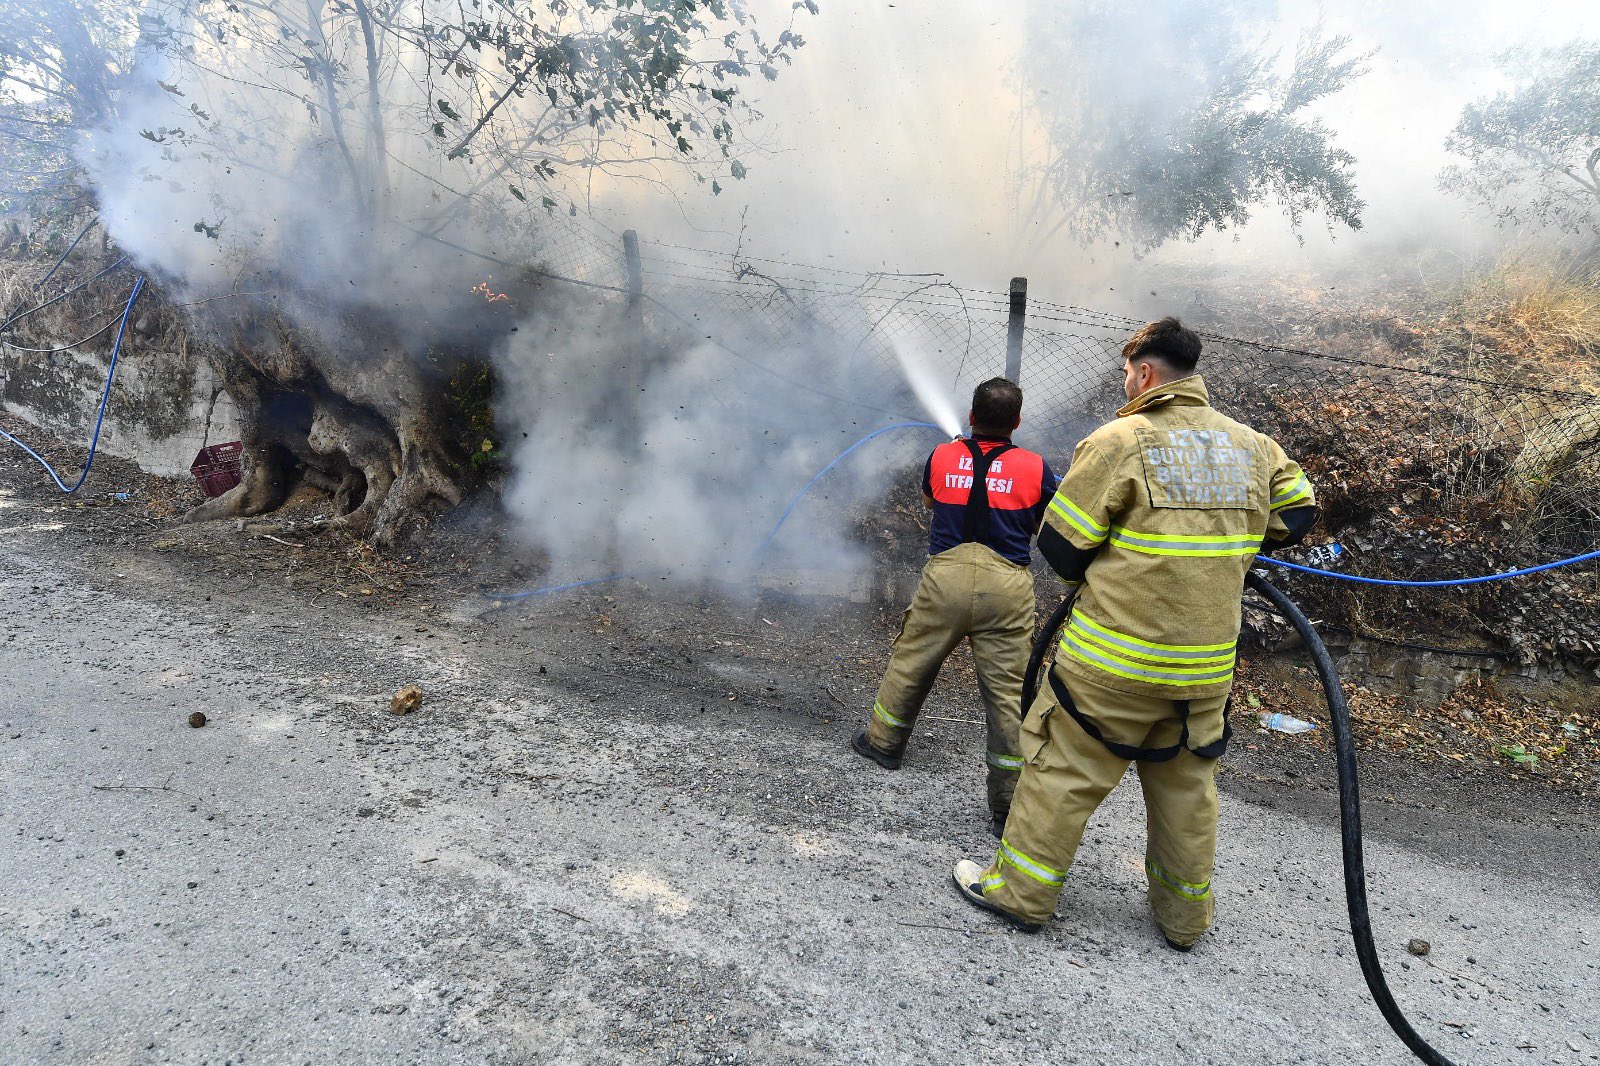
point(302, 159)
point(1165, 121)
point(1531, 153)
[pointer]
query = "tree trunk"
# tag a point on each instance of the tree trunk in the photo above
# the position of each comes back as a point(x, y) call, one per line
point(374, 428)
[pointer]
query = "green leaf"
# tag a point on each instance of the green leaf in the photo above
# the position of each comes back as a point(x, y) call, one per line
point(549, 204)
point(447, 111)
point(518, 194)
point(1519, 754)
point(716, 189)
point(737, 169)
point(1253, 700)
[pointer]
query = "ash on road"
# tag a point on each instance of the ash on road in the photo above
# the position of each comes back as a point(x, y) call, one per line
point(629, 830)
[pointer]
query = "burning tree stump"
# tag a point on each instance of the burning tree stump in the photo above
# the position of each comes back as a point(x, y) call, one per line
point(357, 414)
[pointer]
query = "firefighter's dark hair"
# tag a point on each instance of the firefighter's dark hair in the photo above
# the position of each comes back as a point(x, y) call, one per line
point(1167, 340)
point(996, 406)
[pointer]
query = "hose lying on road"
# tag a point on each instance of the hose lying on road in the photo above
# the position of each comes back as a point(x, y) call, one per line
point(1355, 873)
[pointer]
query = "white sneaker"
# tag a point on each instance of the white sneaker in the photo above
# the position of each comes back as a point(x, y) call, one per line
point(969, 882)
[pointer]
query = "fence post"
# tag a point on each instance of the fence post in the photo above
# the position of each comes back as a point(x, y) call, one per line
point(633, 333)
point(1014, 324)
point(630, 252)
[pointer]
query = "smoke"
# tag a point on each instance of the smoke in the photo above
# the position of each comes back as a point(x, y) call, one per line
point(667, 447)
point(910, 137)
point(222, 182)
point(905, 137)
point(676, 461)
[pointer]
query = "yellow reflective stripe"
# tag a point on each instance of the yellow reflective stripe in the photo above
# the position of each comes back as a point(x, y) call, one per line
point(992, 882)
point(1299, 490)
point(1078, 518)
point(1002, 761)
point(1045, 875)
point(1120, 646)
point(885, 716)
point(1188, 546)
point(1122, 668)
point(1186, 889)
point(1169, 670)
point(1107, 631)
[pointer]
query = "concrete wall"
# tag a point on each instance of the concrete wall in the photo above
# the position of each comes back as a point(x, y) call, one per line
point(165, 404)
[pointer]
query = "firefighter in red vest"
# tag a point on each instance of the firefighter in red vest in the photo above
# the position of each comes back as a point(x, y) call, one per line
point(987, 497)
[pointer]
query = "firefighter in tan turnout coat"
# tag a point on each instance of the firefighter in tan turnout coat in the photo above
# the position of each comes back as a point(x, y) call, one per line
point(1156, 522)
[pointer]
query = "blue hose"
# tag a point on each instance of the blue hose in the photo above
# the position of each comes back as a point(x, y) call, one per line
point(20, 315)
point(1448, 583)
point(100, 417)
point(760, 549)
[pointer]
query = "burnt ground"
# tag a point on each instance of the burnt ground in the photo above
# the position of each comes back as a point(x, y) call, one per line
point(623, 826)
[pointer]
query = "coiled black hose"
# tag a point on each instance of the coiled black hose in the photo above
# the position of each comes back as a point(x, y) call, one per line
point(1355, 874)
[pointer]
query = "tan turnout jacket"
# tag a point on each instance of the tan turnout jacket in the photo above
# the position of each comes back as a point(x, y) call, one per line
point(1177, 498)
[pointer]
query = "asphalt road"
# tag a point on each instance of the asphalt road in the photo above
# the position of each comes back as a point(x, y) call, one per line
point(578, 853)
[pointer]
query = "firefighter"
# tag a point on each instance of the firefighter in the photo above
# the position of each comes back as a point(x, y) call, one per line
point(1156, 523)
point(987, 497)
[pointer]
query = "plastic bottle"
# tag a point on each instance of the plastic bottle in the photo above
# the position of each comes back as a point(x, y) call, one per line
point(1325, 556)
point(1279, 722)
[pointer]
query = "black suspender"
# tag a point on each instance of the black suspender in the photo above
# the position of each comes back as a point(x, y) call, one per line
point(977, 524)
point(1213, 750)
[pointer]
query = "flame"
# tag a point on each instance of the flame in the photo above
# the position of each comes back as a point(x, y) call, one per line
point(483, 289)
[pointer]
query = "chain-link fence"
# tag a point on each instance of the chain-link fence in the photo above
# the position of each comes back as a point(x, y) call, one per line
point(1414, 438)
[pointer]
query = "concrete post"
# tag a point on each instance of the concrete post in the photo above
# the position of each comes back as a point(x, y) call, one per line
point(1014, 325)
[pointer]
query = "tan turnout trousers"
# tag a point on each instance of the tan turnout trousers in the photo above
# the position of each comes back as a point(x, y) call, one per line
point(1068, 772)
point(967, 592)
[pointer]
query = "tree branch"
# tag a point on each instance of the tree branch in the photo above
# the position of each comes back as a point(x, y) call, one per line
point(516, 83)
point(374, 109)
point(335, 120)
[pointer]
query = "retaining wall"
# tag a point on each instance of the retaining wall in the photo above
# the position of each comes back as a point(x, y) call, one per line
point(166, 403)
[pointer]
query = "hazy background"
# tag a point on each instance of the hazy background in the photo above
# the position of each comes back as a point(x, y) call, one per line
point(901, 139)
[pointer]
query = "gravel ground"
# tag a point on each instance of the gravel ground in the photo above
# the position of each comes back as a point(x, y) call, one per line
point(624, 828)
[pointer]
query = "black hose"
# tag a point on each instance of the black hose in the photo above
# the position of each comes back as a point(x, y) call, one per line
point(1355, 875)
point(1355, 870)
point(1041, 648)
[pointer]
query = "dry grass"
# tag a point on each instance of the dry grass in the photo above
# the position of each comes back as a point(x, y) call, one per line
point(1539, 309)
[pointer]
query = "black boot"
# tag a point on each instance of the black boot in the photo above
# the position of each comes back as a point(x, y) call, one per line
point(887, 760)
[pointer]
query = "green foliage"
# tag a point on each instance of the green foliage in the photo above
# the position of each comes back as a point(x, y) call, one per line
point(470, 389)
point(1532, 152)
point(1165, 122)
point(538, 91)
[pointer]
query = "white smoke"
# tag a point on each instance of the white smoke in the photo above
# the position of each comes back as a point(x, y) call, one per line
point(678, 462)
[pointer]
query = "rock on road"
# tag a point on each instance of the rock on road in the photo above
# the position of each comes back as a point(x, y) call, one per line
point(594, 864)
